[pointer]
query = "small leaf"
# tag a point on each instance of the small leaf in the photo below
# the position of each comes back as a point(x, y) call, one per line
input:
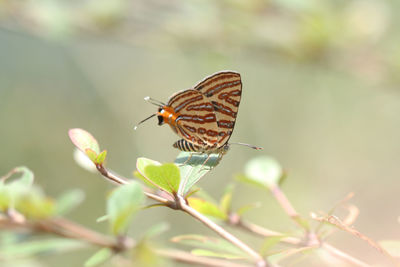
point(226, 199)
point(246, 180)
point(26, 178)
point(242, 210)
point(84, 161)
point(284, 254)
point(143, 255)
point(122, 205)
point(392, 247)
point(302, 222)
point(156, 230)
point(92, 155)
point(69, 200)
point(31, 248)
point(208, 253)
point(210, 243)
point(101, 157)
point(264, 170)
point(270, 242)
point(207, 208)
point(166, 177)
point(102, 218)
point(193, 167)
point(83, 140)
point(144, 179)
point(99, 257)
point(35, 205)
point(141, 164)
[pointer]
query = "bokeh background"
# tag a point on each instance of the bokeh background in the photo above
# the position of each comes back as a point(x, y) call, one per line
point(321, 95)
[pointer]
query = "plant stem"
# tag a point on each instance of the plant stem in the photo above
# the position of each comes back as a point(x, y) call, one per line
point(344, 256)
point(261, 231)
point(121, 181)
point(186, 257)
point(222, 232)
point(285, 204)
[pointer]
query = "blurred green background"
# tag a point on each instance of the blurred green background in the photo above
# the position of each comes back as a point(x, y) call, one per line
point(320, 94)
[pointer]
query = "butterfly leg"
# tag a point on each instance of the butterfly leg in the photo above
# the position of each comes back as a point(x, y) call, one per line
point(188, 159)
point(216, 162)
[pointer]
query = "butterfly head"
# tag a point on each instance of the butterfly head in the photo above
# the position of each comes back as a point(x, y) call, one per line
point(161, 107)
point(160, 117)
point(166, 114)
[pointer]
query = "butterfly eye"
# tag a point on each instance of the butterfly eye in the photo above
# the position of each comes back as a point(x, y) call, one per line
point(160, 120)
point(159, 110)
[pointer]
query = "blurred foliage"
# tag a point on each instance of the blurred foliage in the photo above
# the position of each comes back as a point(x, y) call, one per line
point(356, 35)
point(321, 95)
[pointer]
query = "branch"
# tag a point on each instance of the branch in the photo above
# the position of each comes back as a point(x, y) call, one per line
point(121, 181)
point(286, 205)
point(182, 256)
point(72, 230)
point(222, 232)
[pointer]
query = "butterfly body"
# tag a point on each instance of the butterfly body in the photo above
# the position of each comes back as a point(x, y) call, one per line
point(186, 146)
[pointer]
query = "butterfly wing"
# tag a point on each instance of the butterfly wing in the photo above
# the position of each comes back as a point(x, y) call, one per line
point(196, 121)
point(223, 90)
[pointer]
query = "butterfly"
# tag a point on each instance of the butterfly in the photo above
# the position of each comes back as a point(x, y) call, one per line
point(203, 116)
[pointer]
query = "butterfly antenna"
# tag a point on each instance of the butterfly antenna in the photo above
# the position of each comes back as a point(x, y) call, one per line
point(136, 126)
point(248, 145)
point(154, 101)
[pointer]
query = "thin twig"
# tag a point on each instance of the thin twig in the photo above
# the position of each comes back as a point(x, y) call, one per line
point(222, 232)
point(333, 220)
point(286, 205)
point(121, 181)
point(84, 233)
point(264, 232)
point(182, 256)
point(344, 256)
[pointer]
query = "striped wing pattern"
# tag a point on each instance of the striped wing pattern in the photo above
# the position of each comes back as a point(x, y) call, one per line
point(196, 121)
point(207, 113)
point(223, 90)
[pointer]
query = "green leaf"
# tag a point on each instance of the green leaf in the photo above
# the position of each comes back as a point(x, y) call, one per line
point(246, 180)
point(69, 200)
point(156, 230)
point(210, 243)
point(26, 179)
point(143, 179)
point(166, 177)
point(302, 222)
point(143, 255)
point(276, 258)
point(92, 155)
point(209, 253)
point(101, 157)
point(264, 170)
point(83, 140)
point(270, 242)
point(243, 209)
point(226, 199)
point(122, 205)
point(99, 257)
point(392, 247)
point(35, 205)
point(84, 161)
point(207, 208)
point(141, 164)
point(30, 248)
point(102, 218)
point(193, 167)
